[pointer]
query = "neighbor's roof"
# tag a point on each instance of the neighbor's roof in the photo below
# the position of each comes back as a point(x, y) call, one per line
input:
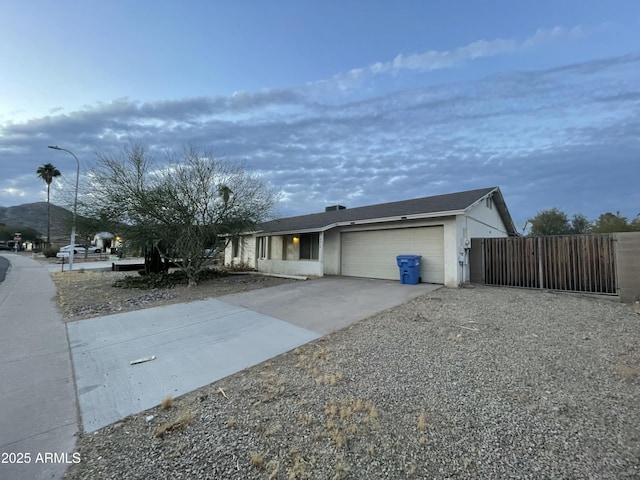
point(427, 207)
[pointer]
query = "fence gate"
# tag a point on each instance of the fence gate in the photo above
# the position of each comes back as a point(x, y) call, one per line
point(575, 263)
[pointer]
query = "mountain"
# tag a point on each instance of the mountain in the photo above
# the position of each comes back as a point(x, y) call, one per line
point(34, 215)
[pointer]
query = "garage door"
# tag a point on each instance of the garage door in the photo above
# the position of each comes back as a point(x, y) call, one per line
point(373, 253)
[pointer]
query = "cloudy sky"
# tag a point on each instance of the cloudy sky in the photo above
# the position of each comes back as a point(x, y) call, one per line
point(349, 102)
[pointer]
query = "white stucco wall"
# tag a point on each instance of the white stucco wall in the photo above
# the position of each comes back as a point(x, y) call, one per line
point(284, 258)
point(331, 252)
point(451, 268)
point(246, 254)
point(291, 267)
point(480, 221)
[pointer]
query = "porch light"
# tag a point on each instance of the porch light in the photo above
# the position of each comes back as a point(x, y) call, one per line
point(296, 239)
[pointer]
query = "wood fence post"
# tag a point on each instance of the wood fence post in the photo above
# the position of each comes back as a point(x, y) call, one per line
point(540, 269)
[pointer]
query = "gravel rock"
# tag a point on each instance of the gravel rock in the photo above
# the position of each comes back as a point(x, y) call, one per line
point(85, 294)
point(147, 299)
point(466, 383)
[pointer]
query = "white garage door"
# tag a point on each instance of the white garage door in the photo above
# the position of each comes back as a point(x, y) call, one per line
point(373, 253)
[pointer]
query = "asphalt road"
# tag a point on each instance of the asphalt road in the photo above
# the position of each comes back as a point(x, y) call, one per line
point(4, 266)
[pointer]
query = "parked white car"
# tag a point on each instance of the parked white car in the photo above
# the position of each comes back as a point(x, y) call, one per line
point(79, 249)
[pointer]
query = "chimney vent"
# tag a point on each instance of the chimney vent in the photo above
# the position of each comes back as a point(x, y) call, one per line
point(334, 207)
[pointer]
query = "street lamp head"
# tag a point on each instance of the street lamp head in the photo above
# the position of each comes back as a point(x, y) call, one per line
point(55, 147)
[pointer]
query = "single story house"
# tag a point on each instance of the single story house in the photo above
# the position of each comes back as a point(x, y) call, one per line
point(364, 241)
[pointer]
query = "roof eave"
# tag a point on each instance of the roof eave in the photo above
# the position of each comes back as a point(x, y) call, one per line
point(368, 221)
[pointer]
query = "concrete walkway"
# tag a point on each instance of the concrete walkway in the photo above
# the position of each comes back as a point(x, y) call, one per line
point(38, 410)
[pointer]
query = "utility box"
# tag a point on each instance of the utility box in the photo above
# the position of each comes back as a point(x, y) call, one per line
point(409, 266)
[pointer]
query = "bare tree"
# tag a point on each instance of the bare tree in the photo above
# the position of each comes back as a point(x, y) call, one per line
point(182, 205)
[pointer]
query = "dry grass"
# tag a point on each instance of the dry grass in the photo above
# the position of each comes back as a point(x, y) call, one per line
point(257, 460)
point(329, 379)
point(305, 419)
point(272, 387)
point(456, 338)
point(342, 471)
point(422, 421)
point(273, 467)
point(343, 419)
point(181, 421)
point(300, 468)
point(626, 371)
point(273, 429)
point(167, 402)
point(313, 363)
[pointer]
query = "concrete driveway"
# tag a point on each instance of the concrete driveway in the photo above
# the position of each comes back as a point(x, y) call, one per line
point(329, 303)
point(197, 343)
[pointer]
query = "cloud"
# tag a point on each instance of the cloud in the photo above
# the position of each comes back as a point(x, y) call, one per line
point(546, 36)
point(435, 60)
point(543, 134)
point(13, 192)
point(441, 59)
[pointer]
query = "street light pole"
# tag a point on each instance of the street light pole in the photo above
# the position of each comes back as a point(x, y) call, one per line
point(75, 205)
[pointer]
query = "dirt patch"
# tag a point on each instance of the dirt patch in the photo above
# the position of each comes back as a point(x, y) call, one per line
point(85, 294)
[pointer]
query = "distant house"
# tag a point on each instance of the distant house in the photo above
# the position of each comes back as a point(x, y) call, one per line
point(364, 241)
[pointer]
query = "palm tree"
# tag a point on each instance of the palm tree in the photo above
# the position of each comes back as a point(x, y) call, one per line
point(225, 192)
point(48, 172)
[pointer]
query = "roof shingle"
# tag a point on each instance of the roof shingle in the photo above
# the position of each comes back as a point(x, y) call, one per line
point(426, 205)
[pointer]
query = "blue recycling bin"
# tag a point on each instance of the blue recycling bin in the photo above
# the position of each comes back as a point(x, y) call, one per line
point(409, 266)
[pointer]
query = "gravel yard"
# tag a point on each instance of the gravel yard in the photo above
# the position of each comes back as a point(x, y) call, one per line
point(467, 383)
point(84, 293)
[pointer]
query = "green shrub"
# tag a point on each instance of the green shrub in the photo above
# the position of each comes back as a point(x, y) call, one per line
point(239, 267)
point(164, 280)
point(210, 274)
point(49, 252)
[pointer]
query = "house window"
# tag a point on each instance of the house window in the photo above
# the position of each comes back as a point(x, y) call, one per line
point(235, 247)
point(262, 247)
point(309, 246)
point(488, 203)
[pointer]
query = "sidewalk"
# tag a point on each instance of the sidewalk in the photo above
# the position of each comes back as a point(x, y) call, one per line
point(104, 265)
point(38, 409)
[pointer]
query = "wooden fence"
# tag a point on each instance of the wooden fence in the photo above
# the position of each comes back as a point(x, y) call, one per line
point(575, 263)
